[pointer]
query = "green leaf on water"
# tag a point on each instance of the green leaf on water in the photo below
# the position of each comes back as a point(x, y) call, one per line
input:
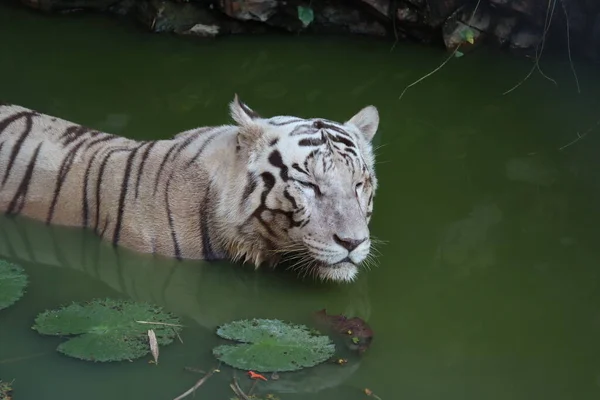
point(468, 35)
point(270, 345)
point(305, 15)
point(458, 54)
point(13, 281)
point(107, 329)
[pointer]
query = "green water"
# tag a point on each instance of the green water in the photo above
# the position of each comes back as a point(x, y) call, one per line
point(487, 287)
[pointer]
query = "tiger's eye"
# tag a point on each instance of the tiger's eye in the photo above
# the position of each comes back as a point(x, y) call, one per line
point(318, 124)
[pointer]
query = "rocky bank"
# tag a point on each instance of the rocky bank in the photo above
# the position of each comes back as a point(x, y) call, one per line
point(518, 25)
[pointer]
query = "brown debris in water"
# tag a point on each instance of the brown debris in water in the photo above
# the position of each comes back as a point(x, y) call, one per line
point(357, 333)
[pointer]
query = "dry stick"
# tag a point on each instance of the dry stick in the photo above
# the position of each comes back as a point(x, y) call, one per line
point(547, 24)
point(197, 385)
point(158, 323)
point(562, 2)
point(23, 358)
point(445, 61)
point(238, 390)
point(580, 136)
point(536, 64)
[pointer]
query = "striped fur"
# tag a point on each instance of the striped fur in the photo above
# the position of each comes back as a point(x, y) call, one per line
point(256, 191)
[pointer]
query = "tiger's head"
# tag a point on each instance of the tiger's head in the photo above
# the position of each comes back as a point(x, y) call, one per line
point(315, 181)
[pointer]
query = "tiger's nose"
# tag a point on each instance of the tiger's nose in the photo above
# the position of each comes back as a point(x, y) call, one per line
point(348, 243)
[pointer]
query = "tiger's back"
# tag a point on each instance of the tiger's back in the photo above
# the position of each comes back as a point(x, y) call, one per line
point(66, 174)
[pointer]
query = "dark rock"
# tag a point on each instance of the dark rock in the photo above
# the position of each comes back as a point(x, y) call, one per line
point(525, 40)
point(466, 19)
point(594, 47)
point(504, 29)
point(440, 10)
point(183, 18)
point(534, 10)
point(246, 10)
point(123, 7)
point(344, 19)
point(407, 14)
point(69, 5)
point(381, 6)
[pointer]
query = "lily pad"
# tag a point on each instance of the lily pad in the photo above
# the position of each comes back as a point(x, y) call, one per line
point(12, 283)
point(272, 345)
point(107, 330)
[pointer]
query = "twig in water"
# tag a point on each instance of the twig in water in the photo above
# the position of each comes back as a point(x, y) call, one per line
point(445, 61)
point(580, 136)
point(192, 369)
point(179, 337)
point(23, 358)
point(158, 323)
point(197, 385)
point(431, 73)
point(238, 390)
point(562, 2)
point(539, 50)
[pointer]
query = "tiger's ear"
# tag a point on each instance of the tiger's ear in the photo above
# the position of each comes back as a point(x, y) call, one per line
point(367, 122)
point(241, 113)
point(251, 131)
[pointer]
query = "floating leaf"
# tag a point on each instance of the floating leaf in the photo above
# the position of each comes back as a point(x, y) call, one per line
point(108, 329)
point(12, 283)
point(458, 54)
point(468, 35)
point(272, 345)
point(305, 15)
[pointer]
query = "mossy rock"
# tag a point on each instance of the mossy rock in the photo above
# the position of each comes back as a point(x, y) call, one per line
point(107, 330)
point(13, 282)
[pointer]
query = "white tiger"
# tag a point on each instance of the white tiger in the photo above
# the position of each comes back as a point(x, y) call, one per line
point(259, 191)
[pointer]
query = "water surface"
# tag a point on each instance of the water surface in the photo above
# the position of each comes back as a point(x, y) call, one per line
point(487, 286)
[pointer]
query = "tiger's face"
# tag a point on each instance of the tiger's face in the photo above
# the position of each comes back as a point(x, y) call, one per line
point(317, 182)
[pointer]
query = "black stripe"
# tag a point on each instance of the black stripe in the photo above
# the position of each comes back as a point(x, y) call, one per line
point(251, 113)
point(337, 129)
point(23, 188)
point(276, 160)
point(123, 196)
point(299, 169)
point(249, 189)
point(64, 169)
point(287, 122)
point(105, 138)
point(288, 196)
point(99, 183)
point(140, 168)
point(86, 178)
point(104, 228)
point(162, 165)
point(1, 145)
point(171, 223)
point(339, 139)
point(202, 148)
point(207, 250)
point(17, 148)
point(312, 142)
point(72, 133)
